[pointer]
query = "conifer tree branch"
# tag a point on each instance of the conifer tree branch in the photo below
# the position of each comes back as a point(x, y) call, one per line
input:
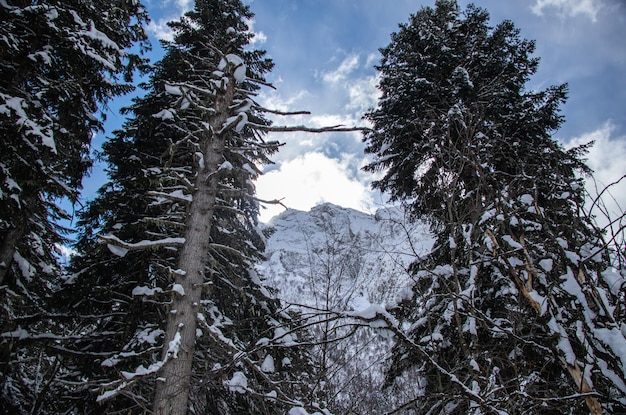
point(142, 245)
point(303, 128)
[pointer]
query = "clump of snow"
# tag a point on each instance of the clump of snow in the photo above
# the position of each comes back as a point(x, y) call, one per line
point(12, 184)
point(243, 120)
point(149, 335)
point(240, 73)
point(511, 242)
point(110, 362)
point(19, 333)
point(452, 243)
point(141, 290)
point(110, 393)
point(177, 288)
point(546, 264)
point(262, 341)
point(27, 270)
point(618, 380)
point(249, 169)
point(117, 250)
point(99, 36)
point(173, 90)
point(297, 410)
point(166, 114)
point(268, 364)
point(488, 214)
point(237, 62)
point(369, 312)
point(283, 336)
point(245, 105)
point(141, 370)
point(572, 256)
point(366, 311)
point(614, 339)
point(614, 280)
point(526, 199)
point(234, 59)
point(174, 346)
point(238, 383)
point(541, 300)
point(200, 158)
point(227, 165)
point(470, 326)
point(52, 13)
point(404, 294)
point(563, 344)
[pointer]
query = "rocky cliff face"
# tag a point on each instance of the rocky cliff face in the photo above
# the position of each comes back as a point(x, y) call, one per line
point(339, 259)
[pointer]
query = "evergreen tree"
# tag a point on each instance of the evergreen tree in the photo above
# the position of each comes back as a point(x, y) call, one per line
point(516, 309)
point(60, 61)
point(163, 288)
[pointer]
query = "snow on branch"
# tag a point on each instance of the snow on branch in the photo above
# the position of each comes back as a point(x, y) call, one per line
point(302, 128)
point(286, 113)
point(377, 317)
point(244, 357)
point(176, 196)
point(270, 202)
point(121, 248)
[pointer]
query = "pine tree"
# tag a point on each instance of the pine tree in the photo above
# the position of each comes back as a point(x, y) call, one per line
point(164, 287)
point(60, 62)
point(515, 310)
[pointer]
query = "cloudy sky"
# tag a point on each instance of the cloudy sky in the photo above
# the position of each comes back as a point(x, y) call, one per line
point(324, 51)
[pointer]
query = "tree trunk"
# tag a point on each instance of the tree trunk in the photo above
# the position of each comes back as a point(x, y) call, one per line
point(174, 381)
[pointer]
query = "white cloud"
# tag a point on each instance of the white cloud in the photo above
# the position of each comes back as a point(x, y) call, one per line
point(160, 29)
point(311, 179)
point(364, 93)
point(259, 37)
point(346, 67)
point(350, 88)
point(184, 5)
point(606, 159)
point(589, 8)
point(274, 100)
point(298, 143)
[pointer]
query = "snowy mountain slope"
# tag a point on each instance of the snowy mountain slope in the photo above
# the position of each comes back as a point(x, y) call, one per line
point(334, 258)
point(366, 255)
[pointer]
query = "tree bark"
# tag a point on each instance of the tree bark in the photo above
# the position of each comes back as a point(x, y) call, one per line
point(174, 381)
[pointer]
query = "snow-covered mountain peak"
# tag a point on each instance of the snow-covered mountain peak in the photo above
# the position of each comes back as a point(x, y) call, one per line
point(355, 252)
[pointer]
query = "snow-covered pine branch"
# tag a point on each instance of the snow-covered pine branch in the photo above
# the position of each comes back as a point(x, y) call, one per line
point(121, 248)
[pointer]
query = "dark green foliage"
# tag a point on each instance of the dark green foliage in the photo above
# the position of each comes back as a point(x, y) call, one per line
point(512, 304)
point(60, 62)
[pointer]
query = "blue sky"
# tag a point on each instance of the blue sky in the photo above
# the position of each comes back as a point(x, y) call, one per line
point(324, 51)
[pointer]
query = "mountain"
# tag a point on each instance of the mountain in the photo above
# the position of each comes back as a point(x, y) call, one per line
point(340, 259)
